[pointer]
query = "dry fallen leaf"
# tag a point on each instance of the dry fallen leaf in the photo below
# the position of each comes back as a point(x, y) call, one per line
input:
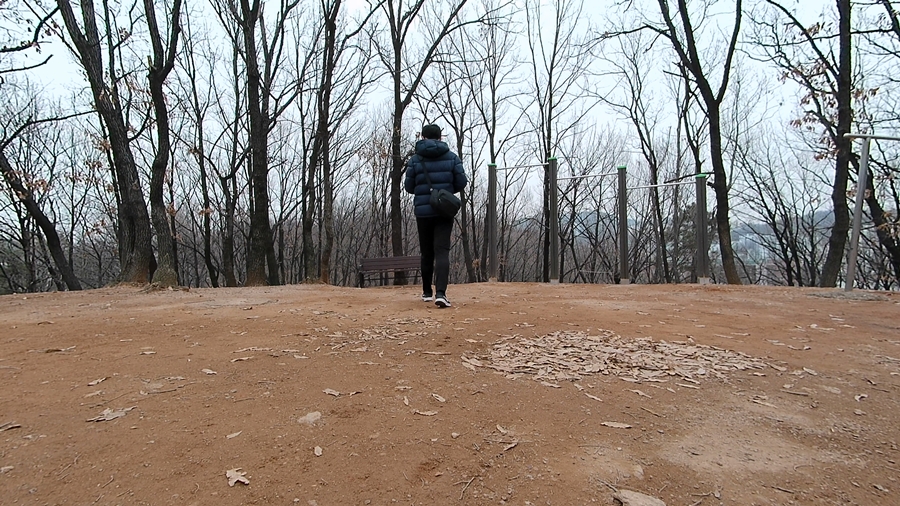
point(208, 371)
point(148, 353)
point(109, 414)
point(438, 398)
point(234, 435)
point(616, 425)
point(97, 381)
point(860, 397)
point(332, 392)
point(502, 429)
point(425, 413)
point(236, 476)
point(631, 498)
point(593, 397)
point(310, 418)
point(240, 359)
point(405, 400)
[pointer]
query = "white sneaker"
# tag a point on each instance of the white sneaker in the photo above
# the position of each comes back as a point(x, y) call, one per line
point(441, 301)
point(427, 298)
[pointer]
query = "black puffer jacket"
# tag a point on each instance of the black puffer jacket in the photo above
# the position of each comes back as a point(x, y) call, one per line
point(444, 168)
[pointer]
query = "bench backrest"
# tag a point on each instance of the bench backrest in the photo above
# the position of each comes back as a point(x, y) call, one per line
point(388, 263)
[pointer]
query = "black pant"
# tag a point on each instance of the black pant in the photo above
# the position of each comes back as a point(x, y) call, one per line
point(434, 242)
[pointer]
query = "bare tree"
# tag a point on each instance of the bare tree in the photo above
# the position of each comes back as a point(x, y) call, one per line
point(24, 191)
point(559, 56)
point(161, 65)
point(17, 180)
point(805, 56)
point(680, 30)
point(330, 114)
point(135, 247)
point(631, 66)
point(406, 71)
point(259, 42)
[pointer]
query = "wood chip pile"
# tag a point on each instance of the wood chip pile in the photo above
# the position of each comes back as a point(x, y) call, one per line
point(569, 355)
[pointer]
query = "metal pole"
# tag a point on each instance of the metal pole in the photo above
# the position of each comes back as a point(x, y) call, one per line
point(623, 228)
point(492, 222)
point(554, 222)
point(702, 228)
point(857, 215)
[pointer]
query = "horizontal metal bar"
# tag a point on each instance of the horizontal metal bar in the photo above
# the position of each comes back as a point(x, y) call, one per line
point(662, 184)
point(523, 166)
point(871, 136)
point(587, 176)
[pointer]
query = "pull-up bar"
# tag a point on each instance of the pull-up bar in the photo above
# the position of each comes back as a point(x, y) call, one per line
point(586, 176)
point(660, 185)
point(511, 167)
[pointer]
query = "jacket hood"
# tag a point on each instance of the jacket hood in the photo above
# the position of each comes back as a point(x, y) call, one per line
point(431, 148)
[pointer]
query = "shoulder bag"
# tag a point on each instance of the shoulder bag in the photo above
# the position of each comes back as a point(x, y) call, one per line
point(443, 202)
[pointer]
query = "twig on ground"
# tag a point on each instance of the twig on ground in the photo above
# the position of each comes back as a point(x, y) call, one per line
point(464, 488)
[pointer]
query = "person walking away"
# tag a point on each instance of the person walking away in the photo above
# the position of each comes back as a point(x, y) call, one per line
point(445, 170)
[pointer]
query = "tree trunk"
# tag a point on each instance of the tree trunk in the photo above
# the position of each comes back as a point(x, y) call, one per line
point(260, 248)
point(229, 190)
point(166, 273)
point(838, 240)
point(135, 244)
point(720, 186)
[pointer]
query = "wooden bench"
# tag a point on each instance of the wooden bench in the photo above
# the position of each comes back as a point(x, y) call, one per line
point(384, 266)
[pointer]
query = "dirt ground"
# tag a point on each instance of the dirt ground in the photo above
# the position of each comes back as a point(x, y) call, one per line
point(522, 394)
